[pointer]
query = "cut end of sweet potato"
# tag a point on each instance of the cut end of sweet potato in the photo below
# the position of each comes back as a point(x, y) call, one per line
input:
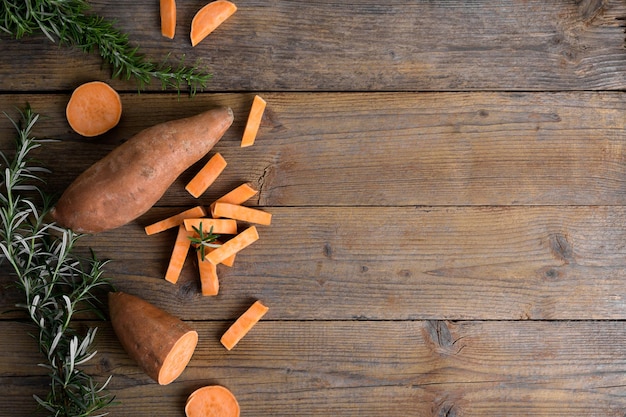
point(214, 401)
point(209, 18)
point(177, 359)
point(93, 109)
point(159, 342)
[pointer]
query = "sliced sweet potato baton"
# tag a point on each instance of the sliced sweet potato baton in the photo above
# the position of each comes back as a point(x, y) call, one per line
point(238, 195)
point(208, 18)
point(168, 18)
point(93, 109)
point(212, 401)
point(243, 325)
point(161, 344)
point(234, 245)
point(254, 122)
point(243, 213)
point(175, 220)
point(209, 281)
point(230, 261)
point(220, 226)
point(179, 254)
point(206, 176)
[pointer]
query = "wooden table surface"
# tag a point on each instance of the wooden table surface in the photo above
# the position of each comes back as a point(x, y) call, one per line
point(447, 181)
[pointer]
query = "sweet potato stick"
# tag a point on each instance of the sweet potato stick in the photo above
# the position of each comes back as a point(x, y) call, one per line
point(206, 176)
point(220, 226)
point(242, 326)
point(238, 212)
point(238, 195)
point(234, 245)
point(175, 220)
point(168, 18)
point(254, 121)
point(179, 254)
point(209, 281)
point(230, 261)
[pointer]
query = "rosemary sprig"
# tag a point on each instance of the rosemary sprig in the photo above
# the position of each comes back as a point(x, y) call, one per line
point(68, 22)
point(204, 240)
point(55, 283)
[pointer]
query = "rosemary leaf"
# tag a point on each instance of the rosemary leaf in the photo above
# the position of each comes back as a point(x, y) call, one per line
point(55, 283)
point(68, 22)
point(204, 240)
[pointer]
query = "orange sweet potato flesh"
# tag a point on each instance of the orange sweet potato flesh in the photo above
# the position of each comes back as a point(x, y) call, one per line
point(133, 177)
point(93, 109)
point(208, 18)
point(212, 401)
point(168, 18)
point(160, 343)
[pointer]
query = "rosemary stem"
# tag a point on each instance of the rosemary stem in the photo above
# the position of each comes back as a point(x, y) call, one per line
point(54, 281)
point(69, 23)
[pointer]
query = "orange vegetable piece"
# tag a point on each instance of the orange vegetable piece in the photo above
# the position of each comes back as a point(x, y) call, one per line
point(206, 176)
point(209, 281)
point(220, 226)
point(93, 109)
point(208, 18)
point(168, 18)
point(243, 325)
point(243, 213)
point(161, 344)
point(238, 195)
point(230, 261)
point(254, 122)
point(128, 182)
point(179, 254)
point(234, 245)
point(212, 401)
point(175, 220)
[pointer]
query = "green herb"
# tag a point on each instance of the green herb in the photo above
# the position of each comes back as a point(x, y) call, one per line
point(204, 240)
point(55, 283)
point(67, 22)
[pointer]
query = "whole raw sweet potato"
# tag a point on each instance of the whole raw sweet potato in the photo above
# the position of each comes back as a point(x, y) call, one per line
point(133, 177)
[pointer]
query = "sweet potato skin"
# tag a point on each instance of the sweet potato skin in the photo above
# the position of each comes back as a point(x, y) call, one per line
point(146, 332)
point(133, 177)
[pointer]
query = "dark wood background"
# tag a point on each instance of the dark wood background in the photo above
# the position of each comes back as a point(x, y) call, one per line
point(447, 181)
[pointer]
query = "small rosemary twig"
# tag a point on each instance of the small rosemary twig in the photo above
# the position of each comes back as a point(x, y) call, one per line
point(55, 283)
point(204, 240)
point(67, 22)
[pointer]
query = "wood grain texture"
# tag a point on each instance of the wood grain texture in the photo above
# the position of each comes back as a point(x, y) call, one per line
point(375, 263)
point(383, 149)
point(369, 368)
point(447, 185)
point(356, 46)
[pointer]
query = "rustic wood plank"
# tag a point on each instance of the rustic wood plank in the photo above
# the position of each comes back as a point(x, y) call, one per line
point(377, 263)
point(447, 196)
point(369, 368)
point(396, 263)
point(383, 149)
point(340, 46)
